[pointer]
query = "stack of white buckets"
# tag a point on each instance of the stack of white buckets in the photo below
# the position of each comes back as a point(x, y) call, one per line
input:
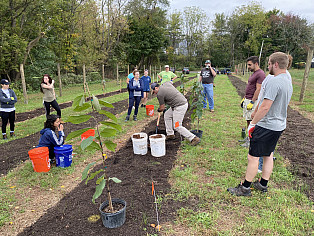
point(157, 145)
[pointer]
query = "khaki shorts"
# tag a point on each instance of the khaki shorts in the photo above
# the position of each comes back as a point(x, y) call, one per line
point(247, 113)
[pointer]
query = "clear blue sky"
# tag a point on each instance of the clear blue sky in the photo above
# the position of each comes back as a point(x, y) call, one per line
point(302, 8)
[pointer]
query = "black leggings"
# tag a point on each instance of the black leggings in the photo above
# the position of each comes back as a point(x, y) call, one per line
point(55, 105)
point(7, 116)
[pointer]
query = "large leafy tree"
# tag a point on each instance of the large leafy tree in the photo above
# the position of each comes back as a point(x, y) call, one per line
point(146, 38)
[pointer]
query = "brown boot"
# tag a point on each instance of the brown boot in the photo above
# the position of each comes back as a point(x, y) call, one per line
point(195, 141)
point(12, 134)
point(4, 136)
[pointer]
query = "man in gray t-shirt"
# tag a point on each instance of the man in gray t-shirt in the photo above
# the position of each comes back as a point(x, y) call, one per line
point(267, 124)
point(167, 94)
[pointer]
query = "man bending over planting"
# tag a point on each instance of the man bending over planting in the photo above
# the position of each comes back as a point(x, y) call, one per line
point(267, 125)
point(168, 94)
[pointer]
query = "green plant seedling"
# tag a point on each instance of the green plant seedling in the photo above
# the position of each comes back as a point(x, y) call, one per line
point(107, 130)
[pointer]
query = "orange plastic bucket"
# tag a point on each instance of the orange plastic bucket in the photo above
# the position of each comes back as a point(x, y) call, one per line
point(40, 159)
point(88, 133)
point(150, 110)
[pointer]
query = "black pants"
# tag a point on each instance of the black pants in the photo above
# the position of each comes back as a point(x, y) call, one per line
point(55, 105)
point(7, 116)
point(137, 100)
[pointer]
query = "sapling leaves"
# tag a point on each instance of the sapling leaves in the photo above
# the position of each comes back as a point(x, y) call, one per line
point(86, 142)
point(108, 132)
point(86, 170)
point(96, 104)
point(106, 104)
point(111, 145)
point(93, 175)
point(108, 114)
point(112, 124)
point(99, 189)
point(93, 146)
point(76, 133)
point(114, 179)
point(78, 119)
point(82, 108)
point(78, 101)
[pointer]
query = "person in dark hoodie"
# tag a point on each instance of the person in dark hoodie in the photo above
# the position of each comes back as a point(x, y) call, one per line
point(7, 109)
point(136, 93)
point(49, 137)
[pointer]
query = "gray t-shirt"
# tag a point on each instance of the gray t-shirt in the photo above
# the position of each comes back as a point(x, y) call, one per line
point(279, 90)
point(169, 95)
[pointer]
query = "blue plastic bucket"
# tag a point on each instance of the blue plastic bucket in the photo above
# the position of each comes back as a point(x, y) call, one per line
point(63, 155)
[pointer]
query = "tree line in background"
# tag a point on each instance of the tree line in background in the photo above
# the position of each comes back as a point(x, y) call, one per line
point(41, 33)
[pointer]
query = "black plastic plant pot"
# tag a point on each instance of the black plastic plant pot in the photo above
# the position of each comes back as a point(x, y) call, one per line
point(113, 220)
point(198, 133)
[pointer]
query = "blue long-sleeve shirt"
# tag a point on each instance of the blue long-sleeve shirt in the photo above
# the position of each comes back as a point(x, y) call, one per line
point(49, 138)
point(135, 88)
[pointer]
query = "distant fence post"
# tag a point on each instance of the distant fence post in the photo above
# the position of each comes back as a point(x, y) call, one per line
point(103, 77)
point(60, 82)
point(84, 78)
point(128, 69)
point(306, 73)
point(23, 84)
point(117, 73)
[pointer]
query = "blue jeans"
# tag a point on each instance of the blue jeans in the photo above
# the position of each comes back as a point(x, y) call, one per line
point(136, 100)
point(260, 164)
point(208, 93)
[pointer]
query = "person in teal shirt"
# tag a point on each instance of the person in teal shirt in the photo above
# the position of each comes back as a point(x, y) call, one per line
point(166, 75)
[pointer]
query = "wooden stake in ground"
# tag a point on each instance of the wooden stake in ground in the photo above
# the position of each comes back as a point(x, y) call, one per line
point(306, 73)
point(84, 78)
point(23, 84)
point(60, 83)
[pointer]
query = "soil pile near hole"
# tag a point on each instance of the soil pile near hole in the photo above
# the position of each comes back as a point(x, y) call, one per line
point(137, 136)
point(296, 142)
point(70, 215)
point(156, 136)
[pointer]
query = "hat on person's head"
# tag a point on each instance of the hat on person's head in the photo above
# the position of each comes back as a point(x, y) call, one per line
point(5, 81)
point(207, 61)
point(167, 66)
point(154, 85)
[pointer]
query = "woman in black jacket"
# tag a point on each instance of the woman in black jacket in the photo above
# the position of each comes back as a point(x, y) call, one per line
point(7, 109)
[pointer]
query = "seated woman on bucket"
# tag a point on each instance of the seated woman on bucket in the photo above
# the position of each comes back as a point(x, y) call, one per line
point(49, 137)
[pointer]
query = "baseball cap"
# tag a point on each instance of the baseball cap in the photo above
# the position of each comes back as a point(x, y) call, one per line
point(166, 66)
point(154, 85)
point(207, 61)
point(5, 81)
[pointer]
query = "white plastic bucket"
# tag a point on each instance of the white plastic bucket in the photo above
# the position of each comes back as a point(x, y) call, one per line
point(157, 145)
point(139, 145)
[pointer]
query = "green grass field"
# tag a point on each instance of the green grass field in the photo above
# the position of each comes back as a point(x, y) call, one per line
point(201, 177)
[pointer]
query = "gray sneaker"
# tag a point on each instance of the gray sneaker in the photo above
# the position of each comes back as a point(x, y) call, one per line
point(240, 190)
point(246, 144)
point(243, 140)
point(257, 185)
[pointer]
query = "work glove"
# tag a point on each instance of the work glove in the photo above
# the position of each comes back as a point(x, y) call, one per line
point(12, 98)
point(250, 129)
point(242, 102)
point(250, 105)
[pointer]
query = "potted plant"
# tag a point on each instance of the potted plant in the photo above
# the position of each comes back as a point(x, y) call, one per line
point(113, 210)
point(196, 105)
